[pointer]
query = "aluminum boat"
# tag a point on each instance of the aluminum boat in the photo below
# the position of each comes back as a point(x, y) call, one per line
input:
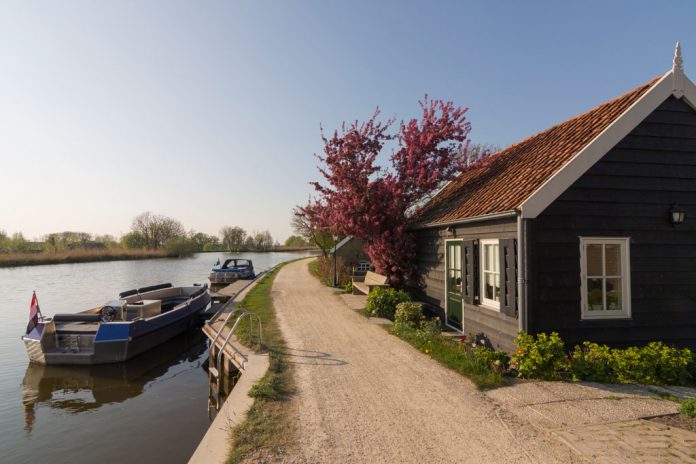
point(137, 321)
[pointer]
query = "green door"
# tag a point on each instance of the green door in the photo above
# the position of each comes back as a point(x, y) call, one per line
point(453, 266)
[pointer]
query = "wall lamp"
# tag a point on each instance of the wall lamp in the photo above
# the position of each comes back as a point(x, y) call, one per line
point(677, 214)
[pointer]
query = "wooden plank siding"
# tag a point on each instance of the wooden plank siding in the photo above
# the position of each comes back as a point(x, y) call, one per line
point(430, 288)
point(628, 193)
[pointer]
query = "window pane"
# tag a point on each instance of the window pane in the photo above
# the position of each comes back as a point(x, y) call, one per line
point(594, 260)
point(497, 287)
point(457, 257)
point(594, 295)
point(488, 286)
point(486, 257)
point(614, 300)
point(450, 260)
point(496, 261)
point(612, 255)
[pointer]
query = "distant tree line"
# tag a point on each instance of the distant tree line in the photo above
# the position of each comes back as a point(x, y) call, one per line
point(154, 232)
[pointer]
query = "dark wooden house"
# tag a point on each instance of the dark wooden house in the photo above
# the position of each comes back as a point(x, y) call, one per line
point(587, 228)
point(351, 254)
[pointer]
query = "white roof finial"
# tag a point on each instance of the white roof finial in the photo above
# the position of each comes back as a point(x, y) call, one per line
point(678, 73)
point(678, 62)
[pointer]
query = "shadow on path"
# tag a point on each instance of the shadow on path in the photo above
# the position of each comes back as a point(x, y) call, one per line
point(312, 358)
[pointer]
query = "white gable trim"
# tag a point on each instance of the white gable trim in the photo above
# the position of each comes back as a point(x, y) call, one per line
point(669, 84)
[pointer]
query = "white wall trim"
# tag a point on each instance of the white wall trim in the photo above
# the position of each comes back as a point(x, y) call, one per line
point(607, 139)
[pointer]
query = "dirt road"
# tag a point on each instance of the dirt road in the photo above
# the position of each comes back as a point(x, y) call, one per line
point(366, 396)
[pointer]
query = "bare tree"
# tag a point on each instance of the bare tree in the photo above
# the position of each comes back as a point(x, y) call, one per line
point(233, 238)
point(262, 240)
point(156, 228)
point(302, 227)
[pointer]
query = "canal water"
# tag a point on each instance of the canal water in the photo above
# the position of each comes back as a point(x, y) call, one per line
point(151, 409)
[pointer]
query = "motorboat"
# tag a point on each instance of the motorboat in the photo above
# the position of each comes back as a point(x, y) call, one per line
point(137, 321)
point(231, 270)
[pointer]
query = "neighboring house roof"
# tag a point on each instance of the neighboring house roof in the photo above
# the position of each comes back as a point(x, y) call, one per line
point(341, 243)
point(527, 176)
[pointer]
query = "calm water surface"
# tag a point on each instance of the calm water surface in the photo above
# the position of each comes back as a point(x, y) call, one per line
point(151, 409)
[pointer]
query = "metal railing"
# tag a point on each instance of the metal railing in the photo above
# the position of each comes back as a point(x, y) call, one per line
point(241, 314)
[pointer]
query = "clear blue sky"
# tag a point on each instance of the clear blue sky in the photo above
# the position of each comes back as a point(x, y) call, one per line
point(209, 111)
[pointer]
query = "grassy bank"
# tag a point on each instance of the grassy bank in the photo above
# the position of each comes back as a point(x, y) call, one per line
point(267, 429)
point(451, 353)
point(77, 256)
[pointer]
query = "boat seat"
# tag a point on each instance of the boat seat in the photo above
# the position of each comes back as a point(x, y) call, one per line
point(155, 295)
point(143, 309)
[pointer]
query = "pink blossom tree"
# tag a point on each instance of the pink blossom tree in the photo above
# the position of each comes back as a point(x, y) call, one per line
point(361, 199)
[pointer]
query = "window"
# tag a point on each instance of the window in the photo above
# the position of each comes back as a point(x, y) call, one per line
point(490, 273)
point(605, 274)
point(362, 266)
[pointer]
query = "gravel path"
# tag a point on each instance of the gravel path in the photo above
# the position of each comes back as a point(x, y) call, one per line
point(366, 396)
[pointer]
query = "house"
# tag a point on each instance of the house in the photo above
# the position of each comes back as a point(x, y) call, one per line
point(587, 228)
point(351, 254)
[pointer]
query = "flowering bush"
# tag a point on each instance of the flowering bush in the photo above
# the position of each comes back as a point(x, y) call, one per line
point(655, 363)
point(541, 357)
point(408, 313)
point(593, 362)
point(497, 361)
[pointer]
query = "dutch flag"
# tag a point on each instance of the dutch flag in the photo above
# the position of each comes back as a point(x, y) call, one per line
point(34, 313)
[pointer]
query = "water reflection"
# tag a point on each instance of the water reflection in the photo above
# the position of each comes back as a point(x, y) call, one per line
point(76, 389)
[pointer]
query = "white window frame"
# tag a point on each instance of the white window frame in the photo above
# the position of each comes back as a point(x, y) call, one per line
point(485, 302)
point(625, 247)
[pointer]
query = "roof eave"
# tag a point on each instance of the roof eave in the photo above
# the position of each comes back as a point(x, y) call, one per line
point(455, 222)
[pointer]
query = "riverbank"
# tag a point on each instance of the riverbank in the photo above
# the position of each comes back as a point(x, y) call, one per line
point(78, 256)
point(108, 254)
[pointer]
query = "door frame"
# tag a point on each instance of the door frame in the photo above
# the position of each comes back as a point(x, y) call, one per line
point(461, 241)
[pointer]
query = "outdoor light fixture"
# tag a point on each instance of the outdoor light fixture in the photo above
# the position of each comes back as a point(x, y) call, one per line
point(677, 214)
point(451, 231)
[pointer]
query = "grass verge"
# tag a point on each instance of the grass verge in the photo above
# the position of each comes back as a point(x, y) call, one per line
point(451, 354)
point(267, 428)
point(313, 267)
point(77, 256)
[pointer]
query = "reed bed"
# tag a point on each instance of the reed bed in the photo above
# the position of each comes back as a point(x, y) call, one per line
point(77, 256)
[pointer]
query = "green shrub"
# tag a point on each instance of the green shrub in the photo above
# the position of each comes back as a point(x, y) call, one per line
point(655, 363)
point(348, 287)
point(540, 357)
point(593, 362)
point(497, 361)
point(408, 313)
point(180, 246)
point(431, 328)
point(688, 407)
point(382, 302)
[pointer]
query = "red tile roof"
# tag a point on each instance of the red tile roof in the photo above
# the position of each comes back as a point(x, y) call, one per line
point(510, 176)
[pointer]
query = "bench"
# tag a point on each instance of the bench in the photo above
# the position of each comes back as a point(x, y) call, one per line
point(363, 285)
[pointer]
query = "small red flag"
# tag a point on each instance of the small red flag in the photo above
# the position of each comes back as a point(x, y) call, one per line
point(34, 313)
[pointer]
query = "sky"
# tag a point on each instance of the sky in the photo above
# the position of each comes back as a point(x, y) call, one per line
point(210, 111)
